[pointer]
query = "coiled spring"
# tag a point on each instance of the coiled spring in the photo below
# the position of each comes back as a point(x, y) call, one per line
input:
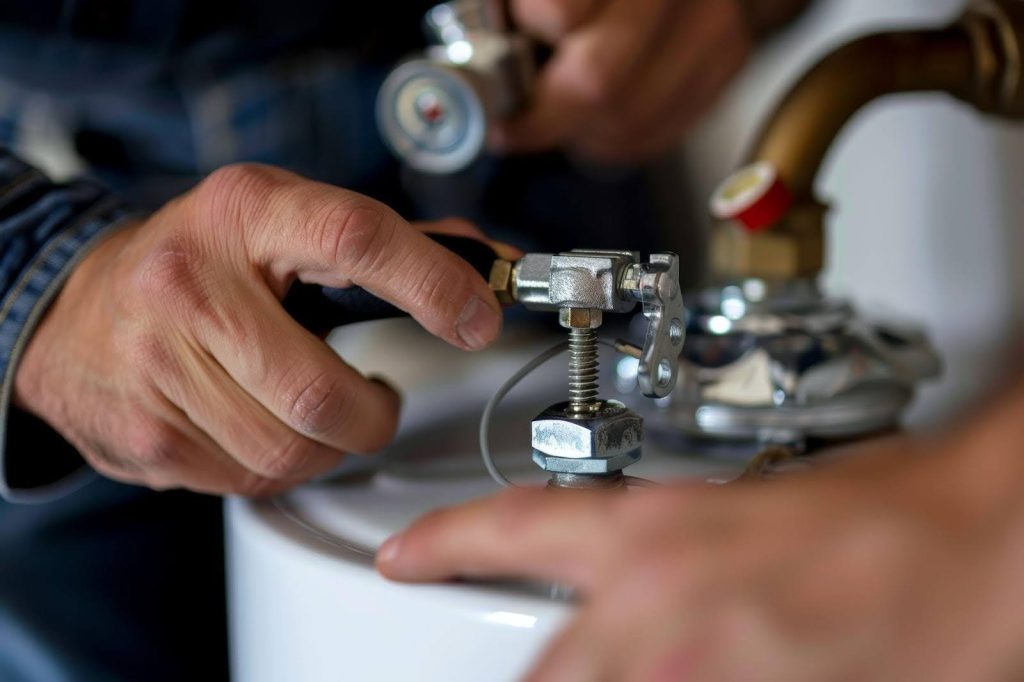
point(584, 365)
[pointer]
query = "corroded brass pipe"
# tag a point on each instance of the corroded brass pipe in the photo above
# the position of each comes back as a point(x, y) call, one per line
point(979, 59)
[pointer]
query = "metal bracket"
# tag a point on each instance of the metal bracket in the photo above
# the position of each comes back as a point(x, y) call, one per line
point(656, 285)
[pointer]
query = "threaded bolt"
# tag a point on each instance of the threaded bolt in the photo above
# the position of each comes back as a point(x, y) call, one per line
point(583, 371)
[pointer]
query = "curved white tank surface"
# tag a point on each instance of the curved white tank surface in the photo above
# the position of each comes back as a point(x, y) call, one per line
point(306, 603)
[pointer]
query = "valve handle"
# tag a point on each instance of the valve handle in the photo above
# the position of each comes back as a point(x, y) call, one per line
point(659, 292)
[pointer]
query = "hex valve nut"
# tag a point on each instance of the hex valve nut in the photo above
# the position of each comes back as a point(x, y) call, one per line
point(605, 441)
point(580, 318)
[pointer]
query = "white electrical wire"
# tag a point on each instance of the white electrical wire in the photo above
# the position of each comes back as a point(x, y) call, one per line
point(495, 401)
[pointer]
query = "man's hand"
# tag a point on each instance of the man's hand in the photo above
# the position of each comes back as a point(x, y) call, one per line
point(167, 360)
point(897, 566)
point(628, 78)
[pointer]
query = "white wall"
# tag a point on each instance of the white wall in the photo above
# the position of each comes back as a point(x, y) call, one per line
point(928, 207)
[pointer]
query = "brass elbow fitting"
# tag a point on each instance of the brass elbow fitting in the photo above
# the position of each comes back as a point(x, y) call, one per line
point(979, 60)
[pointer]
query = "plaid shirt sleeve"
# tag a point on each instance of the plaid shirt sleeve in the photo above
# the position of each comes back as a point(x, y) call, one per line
point(45, 231)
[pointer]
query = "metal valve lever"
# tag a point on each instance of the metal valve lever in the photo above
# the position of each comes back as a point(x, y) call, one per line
point(656, 286)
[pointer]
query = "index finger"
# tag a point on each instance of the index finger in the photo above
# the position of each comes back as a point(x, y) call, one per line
point(293, 227)
point(534, 534)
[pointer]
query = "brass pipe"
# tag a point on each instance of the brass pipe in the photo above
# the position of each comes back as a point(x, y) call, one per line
point(804, 126)
point(977, 60)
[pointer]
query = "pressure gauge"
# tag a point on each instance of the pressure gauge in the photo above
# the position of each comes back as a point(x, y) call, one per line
point(434, 111)
point(432, 117)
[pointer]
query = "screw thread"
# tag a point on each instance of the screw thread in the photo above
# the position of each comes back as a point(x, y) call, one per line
point(583, 370)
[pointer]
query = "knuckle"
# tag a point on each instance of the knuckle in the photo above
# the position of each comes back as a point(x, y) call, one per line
point(555, 15)
point(220, 203)
point(154, 445)
point(173, 280)
point(169, 268)
point(109, 465)
point(225, 188)
point(594, 82)
point(355, 234)
point(319, 406)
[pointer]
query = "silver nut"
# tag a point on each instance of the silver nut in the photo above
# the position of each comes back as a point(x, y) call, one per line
point(599, 465)
point(610, 432)
point(580, 318)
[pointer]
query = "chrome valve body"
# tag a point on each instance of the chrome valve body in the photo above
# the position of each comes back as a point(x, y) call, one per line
point(587, 441)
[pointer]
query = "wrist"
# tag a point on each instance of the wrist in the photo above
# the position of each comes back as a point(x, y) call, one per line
point(42, 371)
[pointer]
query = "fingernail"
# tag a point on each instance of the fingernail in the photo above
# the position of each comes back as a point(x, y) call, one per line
point(479, 324)
point(388, 552)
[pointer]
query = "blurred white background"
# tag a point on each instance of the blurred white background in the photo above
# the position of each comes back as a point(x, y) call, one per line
point(928, 199)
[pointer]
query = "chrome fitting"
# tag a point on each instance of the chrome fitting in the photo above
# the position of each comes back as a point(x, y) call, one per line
point(604, 442)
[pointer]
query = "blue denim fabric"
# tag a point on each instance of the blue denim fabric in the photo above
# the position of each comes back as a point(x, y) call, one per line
point(45, 229)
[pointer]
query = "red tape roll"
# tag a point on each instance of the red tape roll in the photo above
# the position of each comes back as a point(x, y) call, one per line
point(754, 196)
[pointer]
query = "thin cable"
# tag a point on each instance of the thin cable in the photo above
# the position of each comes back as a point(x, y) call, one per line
point(286, 510)
point(495, 401)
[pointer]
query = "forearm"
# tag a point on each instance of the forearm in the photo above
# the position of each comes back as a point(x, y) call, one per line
point(767, 16)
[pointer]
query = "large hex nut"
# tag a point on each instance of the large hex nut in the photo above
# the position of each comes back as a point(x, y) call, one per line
point(607, 441)
point(596, 466)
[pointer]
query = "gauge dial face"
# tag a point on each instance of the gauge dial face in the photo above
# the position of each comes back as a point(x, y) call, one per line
point(432, 117)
